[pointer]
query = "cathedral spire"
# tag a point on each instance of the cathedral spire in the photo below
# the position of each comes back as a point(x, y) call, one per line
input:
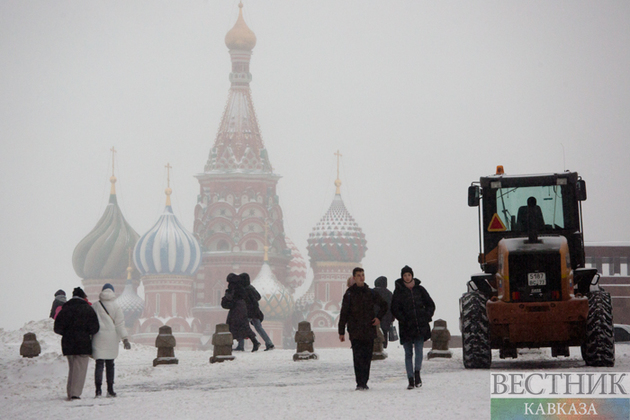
point(338, 181)
point(239, 146)
point(113, 178)
point(168, 189)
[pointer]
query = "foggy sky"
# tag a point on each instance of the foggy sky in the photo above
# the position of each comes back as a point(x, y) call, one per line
point(421, 98)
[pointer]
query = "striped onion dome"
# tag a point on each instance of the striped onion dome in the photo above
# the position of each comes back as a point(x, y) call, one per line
point(167, 248)
point(102, 254)
point(276, 302)
point(297, 266)
point(337, 237)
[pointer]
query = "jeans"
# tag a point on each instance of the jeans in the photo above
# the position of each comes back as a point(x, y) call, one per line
point(98, 371)
point(257, 323)
point(409, 348)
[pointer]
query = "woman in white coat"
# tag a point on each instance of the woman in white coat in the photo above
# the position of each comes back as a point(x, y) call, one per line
point(105, 343)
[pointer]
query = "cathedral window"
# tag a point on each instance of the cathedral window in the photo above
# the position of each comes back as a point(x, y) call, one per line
point(222, 245)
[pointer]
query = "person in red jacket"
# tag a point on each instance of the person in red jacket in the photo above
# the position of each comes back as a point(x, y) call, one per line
point(357, 311)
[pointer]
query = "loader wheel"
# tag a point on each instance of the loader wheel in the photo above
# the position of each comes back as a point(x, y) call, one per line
point(475, 331)
point(599, 346)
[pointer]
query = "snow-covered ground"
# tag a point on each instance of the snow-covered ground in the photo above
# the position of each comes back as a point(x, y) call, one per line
point(262, 385)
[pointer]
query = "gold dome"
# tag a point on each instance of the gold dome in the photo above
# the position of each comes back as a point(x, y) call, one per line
point(240, 37)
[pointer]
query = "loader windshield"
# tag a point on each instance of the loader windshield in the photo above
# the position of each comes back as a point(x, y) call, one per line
point(548, 207)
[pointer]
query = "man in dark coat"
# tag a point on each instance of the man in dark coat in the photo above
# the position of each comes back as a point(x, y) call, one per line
point(357, 311)
point(254, 313)
point(413, 308)
point(380, 287)
point(234, 300)
point(76, 323)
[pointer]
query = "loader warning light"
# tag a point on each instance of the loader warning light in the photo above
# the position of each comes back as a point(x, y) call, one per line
point(496, 225)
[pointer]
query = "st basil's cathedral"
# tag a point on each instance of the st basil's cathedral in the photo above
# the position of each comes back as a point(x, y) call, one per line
point(238, 227)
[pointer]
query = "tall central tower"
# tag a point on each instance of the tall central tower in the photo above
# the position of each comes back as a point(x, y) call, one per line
point(237, 194)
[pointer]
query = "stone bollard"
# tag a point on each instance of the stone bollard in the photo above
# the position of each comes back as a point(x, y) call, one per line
point(440, 336)
point(222, 342)
point(378, 353)
point(165, 342)
point(30, 346)
point(304, 338)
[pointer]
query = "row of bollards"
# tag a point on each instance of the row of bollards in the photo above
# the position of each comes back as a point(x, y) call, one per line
point(222, 343)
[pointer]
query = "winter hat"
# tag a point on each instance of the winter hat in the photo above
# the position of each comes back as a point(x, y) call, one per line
point(406, 269)
point(381, 282)
point(78, 292)
point(244, 277)
point(60, 293)
point(108, 286)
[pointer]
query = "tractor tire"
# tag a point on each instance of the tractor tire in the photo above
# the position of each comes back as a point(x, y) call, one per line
point(475, 331)
point(598, 348)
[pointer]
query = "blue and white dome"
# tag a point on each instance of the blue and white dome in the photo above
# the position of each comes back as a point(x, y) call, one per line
point(167, 248)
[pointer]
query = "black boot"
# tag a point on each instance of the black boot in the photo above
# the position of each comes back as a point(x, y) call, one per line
point(109, 368)
point(256, 345)
point(98, 376)
point(411, 384)
point(418, 380)
point(110, 389)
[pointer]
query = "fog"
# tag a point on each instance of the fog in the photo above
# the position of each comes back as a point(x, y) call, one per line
point(420, 97)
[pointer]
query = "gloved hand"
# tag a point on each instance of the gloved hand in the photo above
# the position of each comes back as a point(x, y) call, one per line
point(126, 344)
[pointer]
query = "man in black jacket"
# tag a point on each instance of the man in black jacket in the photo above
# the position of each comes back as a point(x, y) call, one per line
point(357, 311)
point(76, 323)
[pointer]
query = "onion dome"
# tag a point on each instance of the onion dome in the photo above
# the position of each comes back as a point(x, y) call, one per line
point(167, 248)
point(240, 37)
point(304, 303)
point(297, 266)
point(337, 237)
point(102, 254)
point(131, 304)
point(276, 302)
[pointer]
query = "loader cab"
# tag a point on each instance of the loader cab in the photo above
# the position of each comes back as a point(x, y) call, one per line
point(504, 200)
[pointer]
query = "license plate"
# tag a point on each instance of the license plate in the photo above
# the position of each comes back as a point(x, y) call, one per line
point(537, 279)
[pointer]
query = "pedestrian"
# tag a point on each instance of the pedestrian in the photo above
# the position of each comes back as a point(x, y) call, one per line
point(60, 299)
point(413, 308)
point(76, 323)
point(357, 311)
point(254, 314)
point(105, 342)
point(234, 300)
point(380, 287)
